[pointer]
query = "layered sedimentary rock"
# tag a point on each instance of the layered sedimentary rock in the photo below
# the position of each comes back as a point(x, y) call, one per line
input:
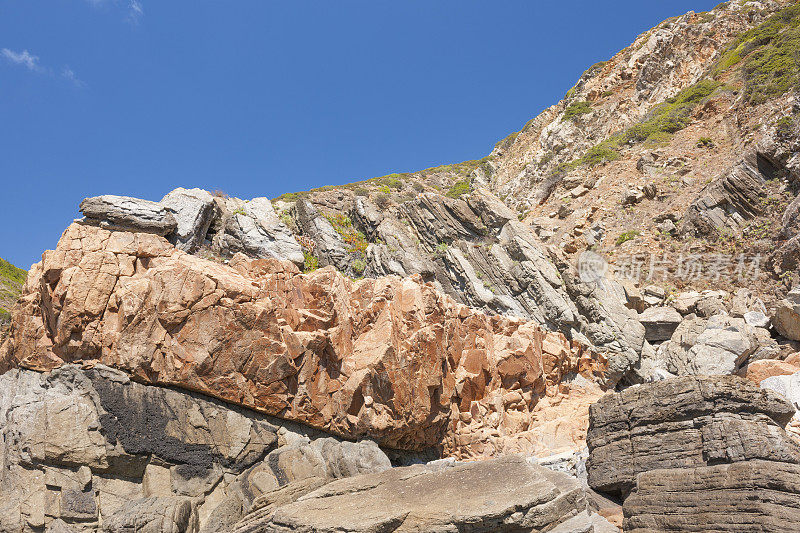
point(685, 422)
point(438, 498)
point(697, 454)
point(90, 448)
point(750, 496)
point(390, 358)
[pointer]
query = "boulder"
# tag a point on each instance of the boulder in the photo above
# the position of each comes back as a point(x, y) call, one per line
point(686, 302)
point(389, 359)
point(194, 210)
point(152, 515)
point(717, 345)
point(745, 496)
point(684, 422)
point(128, 214)
point(659, 322)
point(787, 315)
point(758, 371)
point(441, 497)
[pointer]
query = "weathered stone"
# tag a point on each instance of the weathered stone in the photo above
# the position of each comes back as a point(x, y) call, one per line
point(684, 422)
point(758, 371)
point(685, 302)
point(128, 214)
point(152, 515)
point(717, 345)
point(745, 496)
point(194, 210)
point(389, 359)
point(787, 315)
point(439, 498)
point(253, 228)
point(659, 322)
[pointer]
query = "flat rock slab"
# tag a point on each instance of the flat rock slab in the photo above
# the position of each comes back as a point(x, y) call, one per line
point(508, 494)
point(751, 496)
point(129, 214)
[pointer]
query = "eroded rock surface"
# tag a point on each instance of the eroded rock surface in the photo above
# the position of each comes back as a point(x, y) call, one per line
point(89, 447)
point(440, 498)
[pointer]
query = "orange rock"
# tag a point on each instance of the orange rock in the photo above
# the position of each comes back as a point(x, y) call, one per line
point(758, 371)
point(388, 358)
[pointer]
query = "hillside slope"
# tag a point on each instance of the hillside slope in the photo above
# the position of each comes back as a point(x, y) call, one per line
point(11, 281)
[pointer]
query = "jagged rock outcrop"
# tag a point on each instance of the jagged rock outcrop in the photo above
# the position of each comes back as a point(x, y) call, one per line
point(440, 498)
point(685, 422)
point(194, 210)
point(91, 448)
point(253, 227)
point(389, 358)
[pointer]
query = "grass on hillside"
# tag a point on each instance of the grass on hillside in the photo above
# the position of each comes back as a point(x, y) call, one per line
point(769, 54)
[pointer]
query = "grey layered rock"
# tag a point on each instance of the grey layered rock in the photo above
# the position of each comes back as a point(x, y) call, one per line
point(684, 422)
point(441, 497)
point(128, 214)
point(194, 210)
point(330, 247)
point(254, 228)
point(91, 447)
point(659, 322)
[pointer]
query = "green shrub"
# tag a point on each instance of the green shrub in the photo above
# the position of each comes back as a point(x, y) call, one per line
point(785, 126)
point(310, 262)
point(459, 188)
point(358, 266)
point(705, 142)
point(771, 55)
point(577, 109)
point(627, 236)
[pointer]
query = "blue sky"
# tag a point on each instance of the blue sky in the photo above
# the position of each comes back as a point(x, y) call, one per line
point(258, 97)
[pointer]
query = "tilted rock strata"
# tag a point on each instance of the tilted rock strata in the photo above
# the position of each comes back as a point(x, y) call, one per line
point(91, 448)
point(685, 422)
point(440, 498)
point(387, 358)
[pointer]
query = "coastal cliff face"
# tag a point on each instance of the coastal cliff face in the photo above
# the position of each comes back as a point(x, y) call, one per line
point(457, 349)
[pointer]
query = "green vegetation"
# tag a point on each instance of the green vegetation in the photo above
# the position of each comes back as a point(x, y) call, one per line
point(577, 109)
point(627, 236)
point(771, 55)
point(665, 119)
point(355, 240)
point(705, 142)
point(784, 126)
point(459, 188)
point(505, 143)
point(11, 281)
point(239, 211)
point(310, 263)
point(358, 266)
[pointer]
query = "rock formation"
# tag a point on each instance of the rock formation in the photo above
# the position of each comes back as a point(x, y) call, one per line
point(696, 454)
point(388, 358)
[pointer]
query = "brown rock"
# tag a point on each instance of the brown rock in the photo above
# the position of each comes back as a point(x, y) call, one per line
point(750, 496)
point(758, 371)
point(388, 358)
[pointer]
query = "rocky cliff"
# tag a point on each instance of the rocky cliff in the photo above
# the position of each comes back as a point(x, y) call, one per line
point(531, 341)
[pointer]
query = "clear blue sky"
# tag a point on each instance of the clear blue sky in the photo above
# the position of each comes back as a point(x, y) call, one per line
point(259, 97)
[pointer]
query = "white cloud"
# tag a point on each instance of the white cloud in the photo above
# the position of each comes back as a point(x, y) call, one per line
point(25, 58)
point(68, 74)
point(133, 7)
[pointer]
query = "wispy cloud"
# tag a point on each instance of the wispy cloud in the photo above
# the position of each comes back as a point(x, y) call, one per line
point(134, 8)
point(24, 58)
point(31, 62)
point(68, 74)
